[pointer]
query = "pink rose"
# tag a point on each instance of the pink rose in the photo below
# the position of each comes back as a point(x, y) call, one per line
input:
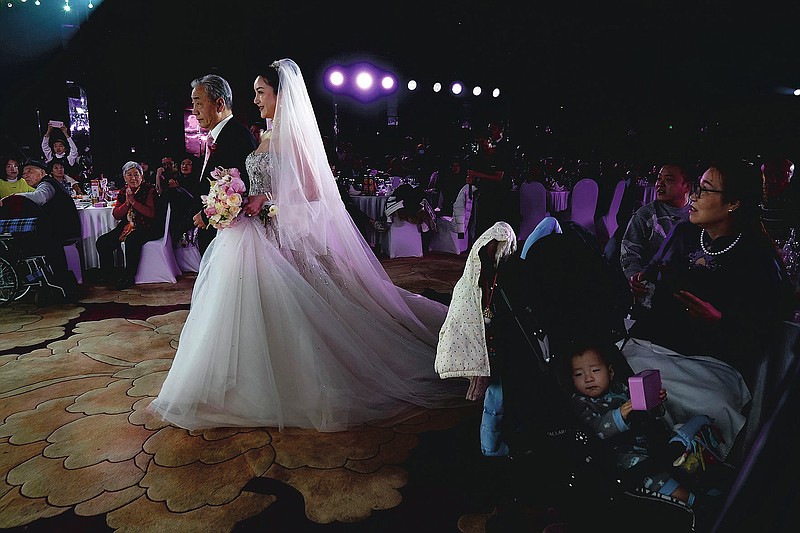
point(237, 185)
point(210, 211)
point(234, 172)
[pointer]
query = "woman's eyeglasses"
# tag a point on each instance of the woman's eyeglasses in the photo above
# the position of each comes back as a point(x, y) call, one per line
point(699, 190)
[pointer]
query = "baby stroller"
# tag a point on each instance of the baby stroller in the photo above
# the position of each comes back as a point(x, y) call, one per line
point(22, 269)
point(562, 293)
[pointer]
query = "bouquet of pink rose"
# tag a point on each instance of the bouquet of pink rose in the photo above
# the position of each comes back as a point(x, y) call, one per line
point(224, 200)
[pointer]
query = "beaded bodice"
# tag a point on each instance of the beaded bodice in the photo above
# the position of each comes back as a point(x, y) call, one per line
point(259, 169)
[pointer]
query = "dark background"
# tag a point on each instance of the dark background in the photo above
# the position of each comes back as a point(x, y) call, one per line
point(626, 80)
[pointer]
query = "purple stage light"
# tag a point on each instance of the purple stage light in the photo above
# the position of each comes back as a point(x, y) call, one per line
point(360, 81)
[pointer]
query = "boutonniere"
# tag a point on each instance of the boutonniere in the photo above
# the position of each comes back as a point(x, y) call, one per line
point(213, 147)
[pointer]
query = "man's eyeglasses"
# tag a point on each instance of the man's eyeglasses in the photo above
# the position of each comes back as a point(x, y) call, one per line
point(699, 190)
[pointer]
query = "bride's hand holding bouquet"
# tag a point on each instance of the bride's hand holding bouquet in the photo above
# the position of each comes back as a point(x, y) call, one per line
point(224, 200)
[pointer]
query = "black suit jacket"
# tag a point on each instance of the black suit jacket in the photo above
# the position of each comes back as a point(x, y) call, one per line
point(233, 145)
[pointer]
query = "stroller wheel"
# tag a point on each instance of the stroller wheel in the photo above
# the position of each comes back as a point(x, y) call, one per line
point(9, 282)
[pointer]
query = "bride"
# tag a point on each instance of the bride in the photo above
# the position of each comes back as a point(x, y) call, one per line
point(293, 321)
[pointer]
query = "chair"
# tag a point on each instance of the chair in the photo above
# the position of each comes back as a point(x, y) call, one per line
point(158, 264)
point(448, 228)
point(608, 222)
point(583, 203)
point(73, 256)
point(187, 255)
point(403, 239)
point(532, 207)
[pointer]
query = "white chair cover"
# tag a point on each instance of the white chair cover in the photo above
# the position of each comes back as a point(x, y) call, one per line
point(448, 228)
point(74, 260)
point(532, 207)
point(403, 239)
point(158, 264)
point(608, 222)
point(188, 257)
point(583, 203)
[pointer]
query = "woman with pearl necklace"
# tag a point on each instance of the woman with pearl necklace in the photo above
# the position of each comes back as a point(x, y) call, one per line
point(721, 294)
point(721, 287)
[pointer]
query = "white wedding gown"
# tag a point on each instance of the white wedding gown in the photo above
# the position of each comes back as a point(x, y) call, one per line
point(273, 339)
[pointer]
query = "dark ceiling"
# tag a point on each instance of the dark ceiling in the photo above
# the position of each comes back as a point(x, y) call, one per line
point(594, 77)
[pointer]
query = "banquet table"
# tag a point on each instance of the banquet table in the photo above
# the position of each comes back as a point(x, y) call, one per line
point(95, 221)
point(374, 207)
point(557, 201)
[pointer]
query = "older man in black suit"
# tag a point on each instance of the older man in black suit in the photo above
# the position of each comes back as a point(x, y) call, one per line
point(229, 142)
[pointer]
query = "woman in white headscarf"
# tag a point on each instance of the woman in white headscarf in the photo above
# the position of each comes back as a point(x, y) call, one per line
point(294, 322)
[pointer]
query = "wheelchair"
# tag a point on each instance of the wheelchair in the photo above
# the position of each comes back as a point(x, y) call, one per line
point(21, 274)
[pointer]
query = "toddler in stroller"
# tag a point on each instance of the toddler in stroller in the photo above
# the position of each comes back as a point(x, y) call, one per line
point(561, 296)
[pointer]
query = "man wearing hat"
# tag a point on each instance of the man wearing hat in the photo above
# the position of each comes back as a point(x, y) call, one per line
point(58, 220)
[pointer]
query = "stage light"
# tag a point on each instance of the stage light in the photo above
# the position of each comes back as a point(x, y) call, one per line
point(336, 78)
point(412, 85)
point(456, 88)
point(496, 93)
point(797, 92)
point(387, 82)
point(437, 87)
point(364, 81)
point(90, 6)
point(38, 3)
point(476, 90)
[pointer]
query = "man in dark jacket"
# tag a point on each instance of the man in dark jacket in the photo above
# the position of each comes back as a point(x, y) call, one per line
point(228, 144)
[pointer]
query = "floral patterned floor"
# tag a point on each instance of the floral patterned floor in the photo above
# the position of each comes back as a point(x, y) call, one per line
point(79, 452)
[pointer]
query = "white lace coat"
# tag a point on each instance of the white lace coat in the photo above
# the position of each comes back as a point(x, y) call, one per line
point(461, 351)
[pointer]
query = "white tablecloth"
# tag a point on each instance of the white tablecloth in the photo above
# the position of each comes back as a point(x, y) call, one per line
point(95, 221)
point(557, 201)
point(374, 207)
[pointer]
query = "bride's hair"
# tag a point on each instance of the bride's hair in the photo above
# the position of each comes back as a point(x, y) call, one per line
point(270, 75)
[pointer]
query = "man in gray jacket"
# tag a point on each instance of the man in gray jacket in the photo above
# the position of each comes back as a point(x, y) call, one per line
point(651, 223)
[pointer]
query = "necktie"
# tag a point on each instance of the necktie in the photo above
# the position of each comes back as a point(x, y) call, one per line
point(209, 142)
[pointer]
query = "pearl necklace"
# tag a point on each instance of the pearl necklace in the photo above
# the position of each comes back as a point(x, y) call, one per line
point(726, 249)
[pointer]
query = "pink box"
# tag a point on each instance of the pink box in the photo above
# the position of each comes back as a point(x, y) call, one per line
point(645, 387)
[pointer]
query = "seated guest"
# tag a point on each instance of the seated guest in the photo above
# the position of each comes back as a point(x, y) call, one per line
point(165, 174)
point(136, 211)
point(11, 182)
point(780, 209)
point(450, 182)
point(721, 292)
point(58, 222)
point(651, 223)
point(718, 277)
point(179, 193)
point(58, 172)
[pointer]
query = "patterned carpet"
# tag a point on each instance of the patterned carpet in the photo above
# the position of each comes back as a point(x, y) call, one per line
point(78, 452)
